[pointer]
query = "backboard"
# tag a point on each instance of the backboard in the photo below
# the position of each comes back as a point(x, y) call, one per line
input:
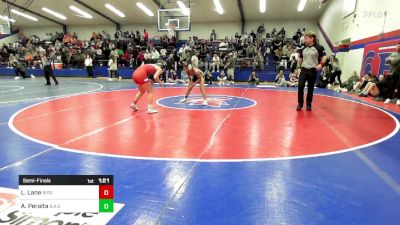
point(168, 18)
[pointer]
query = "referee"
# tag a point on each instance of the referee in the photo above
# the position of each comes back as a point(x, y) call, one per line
point(311, 59)
point(48, 71)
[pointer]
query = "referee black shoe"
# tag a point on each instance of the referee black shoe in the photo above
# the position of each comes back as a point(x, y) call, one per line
point(299, 107)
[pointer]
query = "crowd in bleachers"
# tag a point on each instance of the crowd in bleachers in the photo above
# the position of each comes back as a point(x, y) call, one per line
point(71, 51)
point(131, 49)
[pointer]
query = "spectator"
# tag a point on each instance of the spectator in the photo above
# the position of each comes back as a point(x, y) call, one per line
point(113, 68)
point(207, 62)
point(348, 85)
point(274, 33)
point(374, 88)
point(282, 32)
point(147, 57)
point(230, 67)
point(154, 55)
point(335, 71)
point(251, 51)
point(145, 36)
point(394, 62)
point(279, 54)
point(258, 62)
point(253, 78)
point(253, 36)
point(294, 78)
point(194, 60)
point(216, 61)
point(223, 46)
point(190, 42)
point(359, 85)
point(260, 32)
point(213, 35)
point(176, 60)
point(280, 79)
point(324, 78)
point(208, 77)
point(222, 79)
point(140, 58)
point(19, 69)
point(89, 65)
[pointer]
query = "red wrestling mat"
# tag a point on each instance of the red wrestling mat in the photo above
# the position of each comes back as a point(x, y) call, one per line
point(103, 123)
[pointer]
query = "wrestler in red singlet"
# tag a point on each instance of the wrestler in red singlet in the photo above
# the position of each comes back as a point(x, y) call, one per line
point(144, 77)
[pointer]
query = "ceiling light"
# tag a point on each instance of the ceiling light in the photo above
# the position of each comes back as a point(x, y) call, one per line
point(349, 5)
point(24, 15)
point(6, 18)
point(56, 14)
point(302, 4)
point(263, 6)
point(184, 9)
point(218, 6)
point(81, 12)
point(145, 9)
point(114, 10)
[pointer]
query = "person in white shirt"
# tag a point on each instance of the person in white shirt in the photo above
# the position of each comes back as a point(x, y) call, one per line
point(147, 56)
point(155, 55)
point(301, 40)
point(195, 60)
point(280, 79)
point(216, 61)
point(113, 68)
point(89, 65)
point(163, 52)
point(294, 55)
point(190, 42)
point(99, 51)
point(85, 44)
point(222, 78)
point(181, 49)
point(223, 46)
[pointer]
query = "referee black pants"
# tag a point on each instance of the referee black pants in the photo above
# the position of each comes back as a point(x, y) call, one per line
point(89, 70)
point(309, 76)
point(20, 72)
point(48, 71)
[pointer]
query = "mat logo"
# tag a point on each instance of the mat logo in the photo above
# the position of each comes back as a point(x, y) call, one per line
point(10, 214)
point(211, 102)
point(214, 102)
point(375, 56)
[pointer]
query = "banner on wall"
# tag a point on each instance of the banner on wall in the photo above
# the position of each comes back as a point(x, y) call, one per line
point(375, 55)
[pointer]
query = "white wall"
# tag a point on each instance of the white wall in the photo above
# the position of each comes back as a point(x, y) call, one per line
point(85, 32)
point(150, 28)
point(322, 41)
point(290, 26)
point(40, 31)
point(368, 22)
point(203, 30)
